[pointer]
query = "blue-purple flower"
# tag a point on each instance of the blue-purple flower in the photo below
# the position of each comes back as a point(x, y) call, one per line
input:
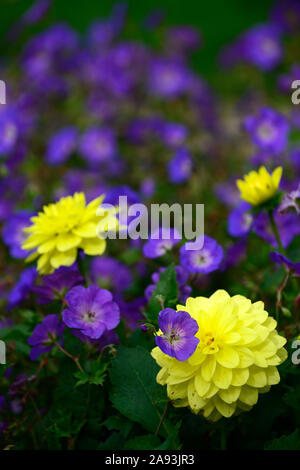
point(9, 131)
point(45, 335)
point(279, 258)
point(240, 220)
point(98, 144)
point(161, 241)
point(22, 288)
point(110, 273)
point(167, 78)
point(204, 260)
point(13, 234)
point(178, 334)
point(288, 226)
point(173, 134)
point(61, 145)
point(180, 166)
point(54, 286)
point(91, 310)
point(268, 130)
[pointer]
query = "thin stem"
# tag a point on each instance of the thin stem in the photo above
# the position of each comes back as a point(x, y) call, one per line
point(275, 231)
point(75, 359)
point(223, 438)
point(161, 419)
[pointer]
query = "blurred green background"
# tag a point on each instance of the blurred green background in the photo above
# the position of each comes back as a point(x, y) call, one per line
point(218, 20)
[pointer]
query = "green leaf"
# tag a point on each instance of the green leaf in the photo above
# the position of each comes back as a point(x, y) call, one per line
point(147, 442)
point(119, 424)
point(289, 442)
point(166, 290)
point(135, 392)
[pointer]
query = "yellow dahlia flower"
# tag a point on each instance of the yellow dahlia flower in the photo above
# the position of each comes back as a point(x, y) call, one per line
point(62, 228)
point(235, 359)
point(259, 186)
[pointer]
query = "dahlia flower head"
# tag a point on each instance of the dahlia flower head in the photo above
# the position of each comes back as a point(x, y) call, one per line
point(259, 186)
point(235, 358)
point(61, 229)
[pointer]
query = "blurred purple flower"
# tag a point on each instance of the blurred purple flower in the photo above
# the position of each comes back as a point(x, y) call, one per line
point(178, 339)
point(110, 273)
point(173, 134)
point(45, 335)
point(22, 288)
point(288, 227)
point(268, 130)
point(279, 258)
point(57, 284)
point(286, 15)
point(9, 131)
point(205, 260)
point(180, 166)
point(167, 79)
point(13, 234)
point(61, 145)
point(240, 220)
point(91, 310)
point(98, 144)
point(160, 242)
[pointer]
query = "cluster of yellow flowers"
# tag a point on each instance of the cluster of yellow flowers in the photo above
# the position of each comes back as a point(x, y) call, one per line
point(61, 229)
point(235, 360)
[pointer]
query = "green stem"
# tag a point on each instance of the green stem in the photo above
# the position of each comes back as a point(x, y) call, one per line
point(66, 353)
point(223, 438)
point(275, 231)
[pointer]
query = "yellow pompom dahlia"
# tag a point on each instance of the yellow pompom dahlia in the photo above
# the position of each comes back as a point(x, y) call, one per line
point(62, 228)
point(259, 186)
point(235, 360)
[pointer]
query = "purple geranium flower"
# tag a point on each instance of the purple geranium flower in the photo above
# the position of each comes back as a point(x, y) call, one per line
point(110, 273)
point(167, 78)
point(240, 220)
point(9, 131)
point(262, 46)
point(279, 258)
point(180, 166)
point(57, 284)
point(61, 145)
point(178, 339)
point(98, 144)
point(13, 234)
point(45, 335)
point(173, 134)
point(205, 260)
point(91, 310)
point(268, 130)
point(160, 242)
point(22, 287)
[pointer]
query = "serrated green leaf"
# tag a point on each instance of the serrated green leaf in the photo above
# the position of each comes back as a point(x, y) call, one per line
point(146, 442)
point(166, 288)
point(135, 392)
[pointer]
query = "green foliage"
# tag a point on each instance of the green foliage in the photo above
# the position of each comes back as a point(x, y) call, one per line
point(135, 392)
point(289, 442)
point(165, 294)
